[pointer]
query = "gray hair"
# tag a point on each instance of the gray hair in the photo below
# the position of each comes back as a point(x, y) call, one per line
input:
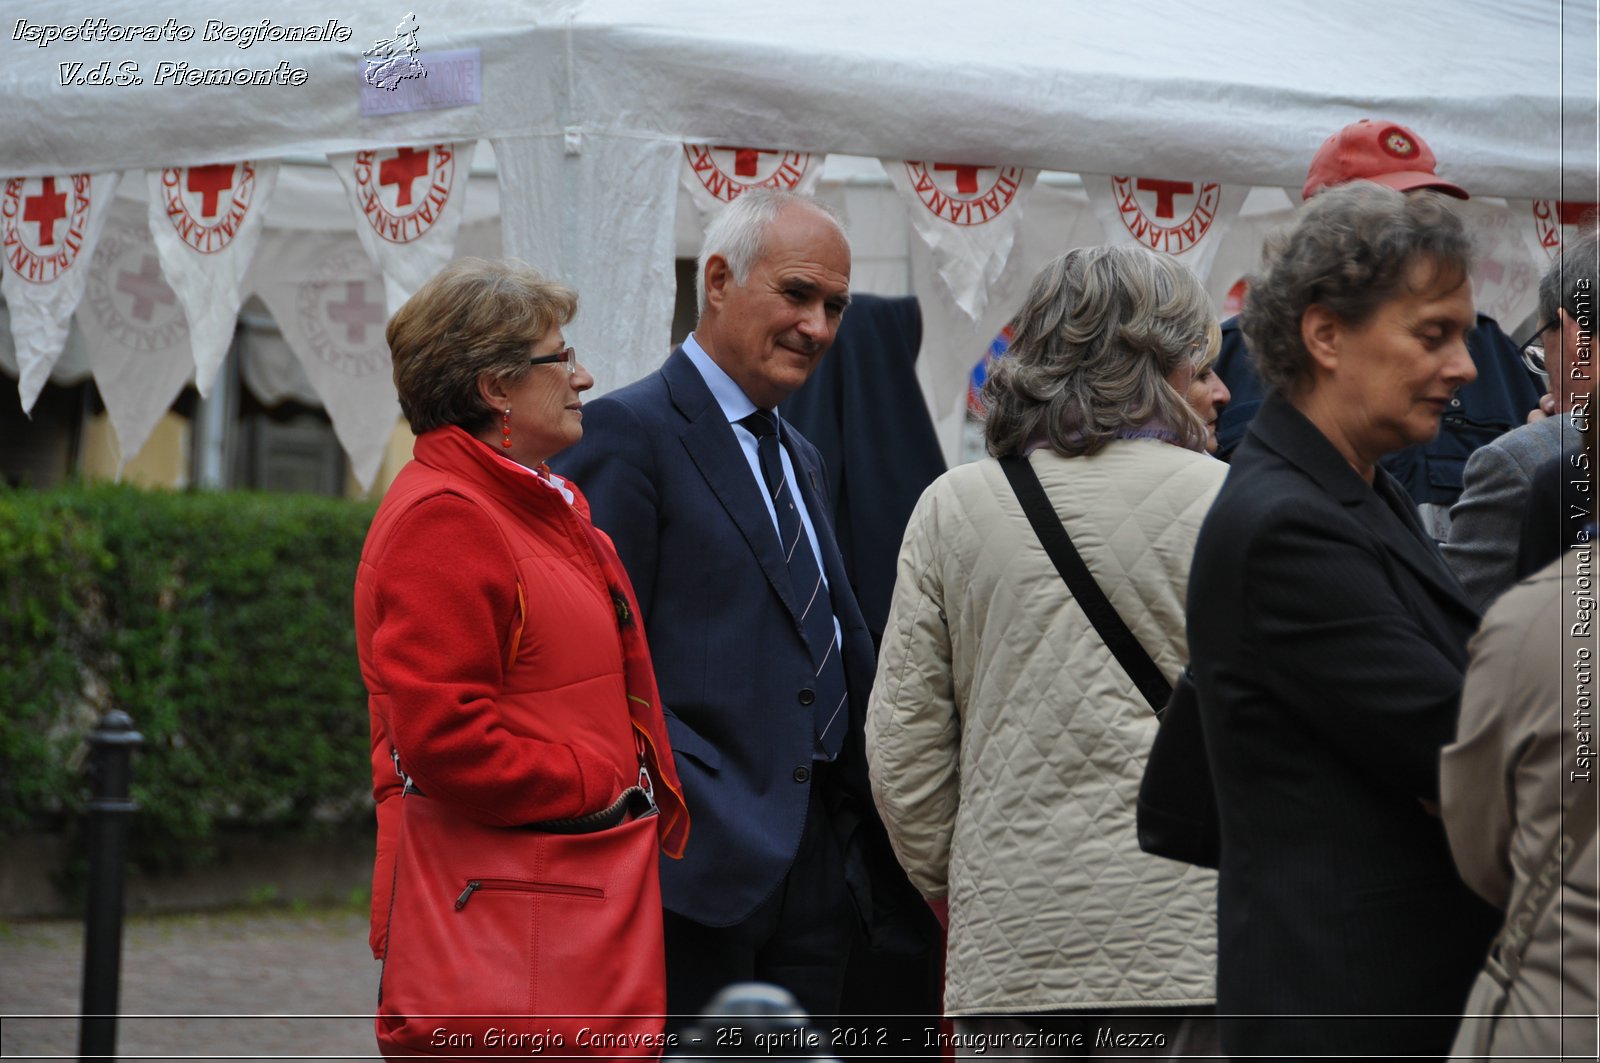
point(1091, 350)
point(738, 234)
point(1350, 250)
point(1573, 280)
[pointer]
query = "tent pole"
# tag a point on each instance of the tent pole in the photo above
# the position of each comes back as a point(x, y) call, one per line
point(212, 423)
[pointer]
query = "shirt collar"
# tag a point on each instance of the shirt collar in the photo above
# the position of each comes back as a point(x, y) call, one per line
point(735, 404)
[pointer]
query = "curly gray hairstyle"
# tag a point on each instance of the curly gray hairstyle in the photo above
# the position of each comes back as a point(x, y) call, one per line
point(1091, 350)
point(739, 232)
point(1350, 250)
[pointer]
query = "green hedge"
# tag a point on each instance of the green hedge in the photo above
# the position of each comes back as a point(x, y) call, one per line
point(221, 622)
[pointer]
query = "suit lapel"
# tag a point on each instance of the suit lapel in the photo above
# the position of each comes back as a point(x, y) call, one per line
point(1292, 437)
point(715, 451)
point(1402, 533)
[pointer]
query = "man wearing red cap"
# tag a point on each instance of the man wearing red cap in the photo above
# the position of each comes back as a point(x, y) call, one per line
point(1390, 154)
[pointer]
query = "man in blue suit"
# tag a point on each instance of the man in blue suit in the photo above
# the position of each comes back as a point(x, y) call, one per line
point(760, 650)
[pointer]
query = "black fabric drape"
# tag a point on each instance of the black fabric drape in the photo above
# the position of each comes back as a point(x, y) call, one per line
point(863, 409)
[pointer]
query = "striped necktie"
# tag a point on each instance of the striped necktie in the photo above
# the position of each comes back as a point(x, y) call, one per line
point(827, 694)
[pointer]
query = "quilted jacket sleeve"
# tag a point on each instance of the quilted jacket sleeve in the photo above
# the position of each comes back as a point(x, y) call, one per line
point(913, 728)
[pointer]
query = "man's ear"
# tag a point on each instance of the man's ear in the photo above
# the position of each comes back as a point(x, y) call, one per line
point(718, 278)
point(1321, 330)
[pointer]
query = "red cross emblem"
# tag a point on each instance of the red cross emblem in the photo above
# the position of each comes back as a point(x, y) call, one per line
point(1396, 143)
point(356, 313)
point(1166, 215)
point(338, 318)
point(45, 209)
point(207, 205)
point(392, 196)
point(726, 172)
point(210, 182)
point(147, 287)
point(127, 294)
point(42, 224)
point(963, 193)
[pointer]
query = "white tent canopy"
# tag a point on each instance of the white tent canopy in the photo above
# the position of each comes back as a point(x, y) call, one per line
point(1249, 88)
point(588, 105)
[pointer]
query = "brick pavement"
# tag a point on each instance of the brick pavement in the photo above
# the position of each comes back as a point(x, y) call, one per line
point(184, 971)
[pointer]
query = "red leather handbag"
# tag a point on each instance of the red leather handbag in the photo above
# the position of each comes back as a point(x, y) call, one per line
point(520, 941)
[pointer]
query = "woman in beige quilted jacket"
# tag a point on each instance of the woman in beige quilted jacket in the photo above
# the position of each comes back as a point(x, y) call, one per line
point(1005, 742)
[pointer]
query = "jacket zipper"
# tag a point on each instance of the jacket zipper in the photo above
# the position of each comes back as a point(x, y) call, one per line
point(515, 886)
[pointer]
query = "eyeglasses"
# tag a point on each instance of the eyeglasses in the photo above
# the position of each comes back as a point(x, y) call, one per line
point(1533, 350)
point(567, 358)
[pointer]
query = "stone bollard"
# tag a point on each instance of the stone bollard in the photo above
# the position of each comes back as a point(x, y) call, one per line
point(111, 753)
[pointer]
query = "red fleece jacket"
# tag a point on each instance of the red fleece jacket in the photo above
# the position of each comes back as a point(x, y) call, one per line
point(489, 644)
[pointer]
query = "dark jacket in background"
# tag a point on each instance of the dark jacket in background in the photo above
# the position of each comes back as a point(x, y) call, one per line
point(863, 410)
point(1560, 512)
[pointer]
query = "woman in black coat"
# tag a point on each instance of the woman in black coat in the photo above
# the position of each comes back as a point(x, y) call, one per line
point(1329, 643)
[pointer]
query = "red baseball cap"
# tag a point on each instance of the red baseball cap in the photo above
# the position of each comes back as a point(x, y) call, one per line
point(1383, 152)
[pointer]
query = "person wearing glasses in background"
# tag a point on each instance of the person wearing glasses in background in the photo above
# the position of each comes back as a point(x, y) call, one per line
point(1486, 524)
point(496, 628)
point(1560, 509)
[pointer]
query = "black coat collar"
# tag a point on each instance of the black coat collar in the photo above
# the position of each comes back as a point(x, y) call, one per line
point(1288, 433)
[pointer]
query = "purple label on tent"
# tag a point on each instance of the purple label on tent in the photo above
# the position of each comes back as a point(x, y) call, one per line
point(421, 81)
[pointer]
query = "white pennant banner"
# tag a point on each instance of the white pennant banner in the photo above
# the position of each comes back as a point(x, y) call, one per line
point(207, 221)
point(409, 203)
point(1550, 223)
point(968, 216)
point(716, 175)
point(1504, 278)
point(563, 196)
point(135, 331)
point(327, 299)
point(1184, 218)
point(48, 230)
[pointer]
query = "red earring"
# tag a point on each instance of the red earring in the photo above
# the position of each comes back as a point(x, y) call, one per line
point(505, 429)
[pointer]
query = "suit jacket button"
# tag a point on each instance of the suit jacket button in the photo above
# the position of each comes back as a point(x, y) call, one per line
point(802, 775)
point(807, 696)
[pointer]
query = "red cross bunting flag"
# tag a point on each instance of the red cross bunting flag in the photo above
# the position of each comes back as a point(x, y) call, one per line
point(409, 202)
point(134, 328)
point(967, 214)
point(1505, 278)
point(586, 207)
point(1550, 223)
point(48, 230)
point(327, 298)
point(207, 221)
point(1186, 218)
point(717, 174)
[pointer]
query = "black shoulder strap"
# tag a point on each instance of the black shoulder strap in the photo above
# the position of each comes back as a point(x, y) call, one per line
point(1102, 614)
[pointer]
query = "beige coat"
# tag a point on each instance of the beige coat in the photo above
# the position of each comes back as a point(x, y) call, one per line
point(1006, 744)
point(1502, 785)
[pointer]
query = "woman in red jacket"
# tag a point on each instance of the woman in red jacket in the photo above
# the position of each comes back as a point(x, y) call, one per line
point(508, 681)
